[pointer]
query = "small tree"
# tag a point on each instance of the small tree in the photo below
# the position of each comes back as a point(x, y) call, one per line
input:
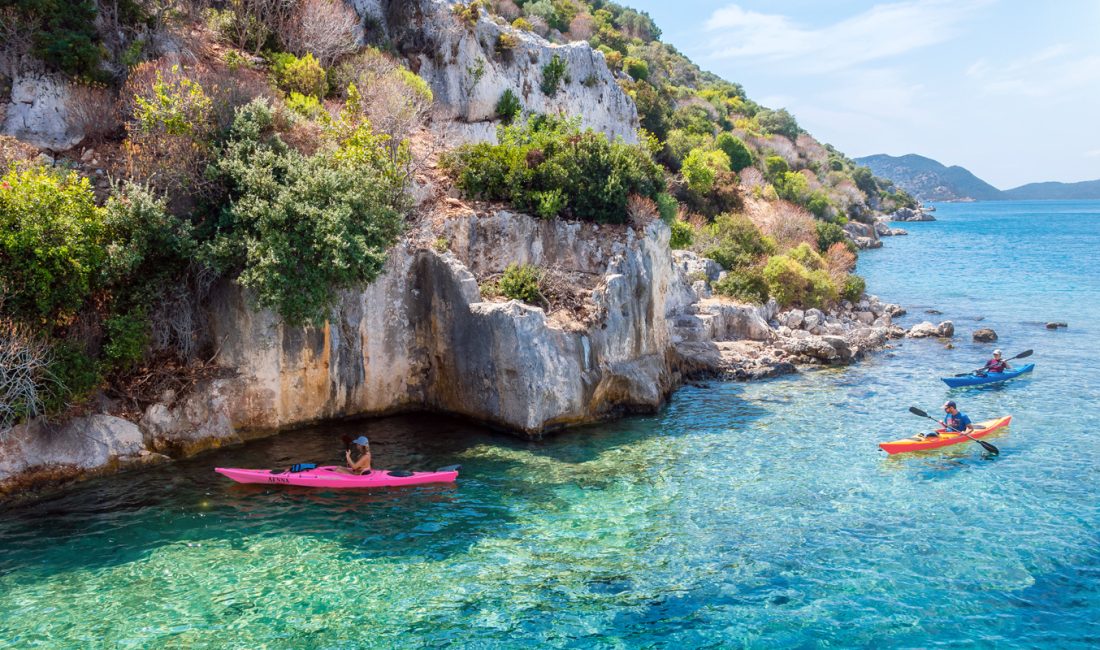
point(739, 154)
point(553, 74)
point(701, 167)
point(508, 108)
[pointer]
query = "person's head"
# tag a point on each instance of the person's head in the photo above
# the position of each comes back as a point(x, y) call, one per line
point(950, 407)
point(362, 442)
point(996, 354)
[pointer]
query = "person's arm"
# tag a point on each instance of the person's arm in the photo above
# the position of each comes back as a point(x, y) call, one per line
point(347, 455)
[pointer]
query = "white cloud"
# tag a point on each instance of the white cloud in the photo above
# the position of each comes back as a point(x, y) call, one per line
point(1095, 153)
point(1054, 72)
point(882, 31)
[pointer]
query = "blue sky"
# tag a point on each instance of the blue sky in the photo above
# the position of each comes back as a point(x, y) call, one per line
point(1009, 89)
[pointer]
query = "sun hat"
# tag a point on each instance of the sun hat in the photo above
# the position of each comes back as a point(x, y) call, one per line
point(949, 404)
point(996, 353)
point(361, 440)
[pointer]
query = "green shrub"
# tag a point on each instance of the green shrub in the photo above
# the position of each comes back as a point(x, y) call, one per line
point(807, 257)
point(549, 163)
point(73, 375)
point(745, 285)
point(735, 242)
point(779, 122)
point(774, 166)
point(788, 281)
point(701, 167)
point(636, 68)
point(127, 339)
point(508, 107)
point(791, 283)
point(739, 154)
point(792, 186)
point(524, 24)
point(299, 229)
point(148, 247)
point(307, 106)
point(553, 74)
point(506, 42)
point(51, 243)
point(818, 205)
point(829, 234)
point(298, 75)
point(683, 235)
point(62, 33)
point(854, 286)
point(522, 282)
point(667, 206)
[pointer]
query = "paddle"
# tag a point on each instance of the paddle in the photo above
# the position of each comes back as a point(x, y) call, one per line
point(985, 445)
point(1022, 355)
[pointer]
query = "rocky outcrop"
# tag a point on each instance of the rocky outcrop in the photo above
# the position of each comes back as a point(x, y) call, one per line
point(910, 214)
point(39, 451)
point(38, 111)
point(470, 65)
point(883, 229)
point(864, 235)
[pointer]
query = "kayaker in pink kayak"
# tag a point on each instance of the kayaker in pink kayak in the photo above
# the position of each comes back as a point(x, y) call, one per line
point(996, 364)
point(362, 464)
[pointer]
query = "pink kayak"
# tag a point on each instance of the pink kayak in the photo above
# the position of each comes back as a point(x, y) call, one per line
point(328, 477)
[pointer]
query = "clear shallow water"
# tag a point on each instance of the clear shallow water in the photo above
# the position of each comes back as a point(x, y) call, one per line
point(755, 515)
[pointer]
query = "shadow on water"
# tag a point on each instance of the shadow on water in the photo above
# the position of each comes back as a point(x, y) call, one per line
point(120, 519)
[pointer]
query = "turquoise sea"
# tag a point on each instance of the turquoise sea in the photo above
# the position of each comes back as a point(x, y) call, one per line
point(743, 515)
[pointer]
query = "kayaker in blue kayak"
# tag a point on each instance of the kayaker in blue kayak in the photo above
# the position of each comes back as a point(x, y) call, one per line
point(996, 364)
point(362, 464)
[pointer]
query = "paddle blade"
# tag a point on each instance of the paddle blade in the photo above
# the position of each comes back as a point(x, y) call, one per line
point(988, 447)
point(1024, 354)
point(916, 411)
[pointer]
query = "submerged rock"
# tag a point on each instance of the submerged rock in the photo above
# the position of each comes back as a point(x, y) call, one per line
point(1055, 325)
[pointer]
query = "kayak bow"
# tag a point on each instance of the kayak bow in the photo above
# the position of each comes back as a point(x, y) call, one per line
point(919, 443)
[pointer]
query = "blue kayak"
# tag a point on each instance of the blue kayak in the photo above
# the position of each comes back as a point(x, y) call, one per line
point(987, 378)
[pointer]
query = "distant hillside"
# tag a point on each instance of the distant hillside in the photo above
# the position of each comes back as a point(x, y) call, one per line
point(930, 180)
point(1052, 190)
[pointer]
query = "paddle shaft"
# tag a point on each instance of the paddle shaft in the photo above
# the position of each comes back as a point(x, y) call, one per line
point(985, 445)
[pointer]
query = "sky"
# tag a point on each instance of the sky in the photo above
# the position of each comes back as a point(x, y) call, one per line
point(1009, 89)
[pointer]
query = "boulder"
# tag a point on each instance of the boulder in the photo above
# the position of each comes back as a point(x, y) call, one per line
point(73, 448)
point(909, 214)
point(946, 329)
point(1055, 325)
point(865, 317)
point(795, 318)
point(984, 335)
point(926, 329)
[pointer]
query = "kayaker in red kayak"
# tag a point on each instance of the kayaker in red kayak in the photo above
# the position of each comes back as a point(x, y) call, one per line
point(362, 464)
point(954, 420)
point(996, 364)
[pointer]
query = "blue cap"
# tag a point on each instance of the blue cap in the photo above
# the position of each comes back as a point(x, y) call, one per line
point(361, 440)
point(949, 404)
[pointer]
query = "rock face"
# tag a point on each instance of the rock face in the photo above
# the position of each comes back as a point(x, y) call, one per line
point(862, 234)
point(68, 450)
point(984, 335)
point(38, 112)
point(468, 72)
point(420, 337)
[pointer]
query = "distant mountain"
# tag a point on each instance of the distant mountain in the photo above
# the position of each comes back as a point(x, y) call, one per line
point(929, 180)
point(1042, 191)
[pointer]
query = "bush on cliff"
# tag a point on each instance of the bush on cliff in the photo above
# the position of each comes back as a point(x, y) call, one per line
point(522, 282)
point(745, 285)
point(297, 229)
point(551, 167)
point(734, 242)
point(792, 283)
point(51, 244)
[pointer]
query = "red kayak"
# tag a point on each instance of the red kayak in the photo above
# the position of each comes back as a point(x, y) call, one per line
point(328, 476)
point(920, 442)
